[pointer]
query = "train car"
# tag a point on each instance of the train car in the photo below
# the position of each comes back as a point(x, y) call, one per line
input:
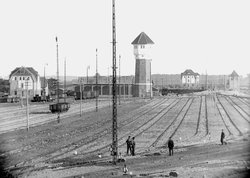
point(86, 95)
point(59, 107)
point(180, 91)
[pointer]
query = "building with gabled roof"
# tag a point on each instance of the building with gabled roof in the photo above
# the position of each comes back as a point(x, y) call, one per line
point(142, 39)
point(142, 52)
point(190, 79)
point(24, 79)
point(234, 81)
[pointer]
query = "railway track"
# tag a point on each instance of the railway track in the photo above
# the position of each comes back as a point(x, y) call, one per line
point(206, 116)
point(238, 108)
point(171, 124)
point(38, 119)
point(229, 117)
point(103, 133)
point(217, 107)
point(199, 117)
point(155, 104)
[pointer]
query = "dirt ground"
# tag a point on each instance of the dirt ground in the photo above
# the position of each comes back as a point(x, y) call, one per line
point(79, 146)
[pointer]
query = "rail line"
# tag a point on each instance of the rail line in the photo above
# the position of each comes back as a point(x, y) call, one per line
point(161, 135)
point(230, 119)
point(243, 101)
point(199, 117)
point(231, 101)
point(99, 135)
point(206, 116)
point(240, 106)
point(230, 133)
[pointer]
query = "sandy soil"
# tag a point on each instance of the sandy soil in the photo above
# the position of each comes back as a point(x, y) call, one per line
point(72, 148)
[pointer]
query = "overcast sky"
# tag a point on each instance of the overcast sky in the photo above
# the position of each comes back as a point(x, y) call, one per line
point(212, 36)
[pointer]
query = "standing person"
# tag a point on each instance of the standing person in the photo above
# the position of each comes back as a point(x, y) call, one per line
point(128, 142)
point(171, 146)
point(133, 146)
point(222, 136)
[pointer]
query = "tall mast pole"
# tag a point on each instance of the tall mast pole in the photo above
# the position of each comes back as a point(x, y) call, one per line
point(58, 113)
point(64, 80)
point(150, 82)
point(96, 79)
point(114, 128)
point(119, 79)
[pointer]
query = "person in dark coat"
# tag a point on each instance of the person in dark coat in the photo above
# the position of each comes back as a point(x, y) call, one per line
point(133, 146)
point(222, 136)
point(128, 142)
point(171, 146)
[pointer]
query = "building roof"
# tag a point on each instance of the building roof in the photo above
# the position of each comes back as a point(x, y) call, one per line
point(24, 71)
point(189, 72)
point(234, 74)
point(142, 38)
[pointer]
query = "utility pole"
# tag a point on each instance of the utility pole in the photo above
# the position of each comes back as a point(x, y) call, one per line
point(150, 82)
point(64, 80)
point(80, 87)
point(88, 67)
point(27, 105)
point(119, 79)
point(58, 113)
point(96, 90)
point(125, 79)
point(114, 128)
point(108, 88)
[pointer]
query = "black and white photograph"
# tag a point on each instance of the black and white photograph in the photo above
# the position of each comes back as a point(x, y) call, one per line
point(124, 88)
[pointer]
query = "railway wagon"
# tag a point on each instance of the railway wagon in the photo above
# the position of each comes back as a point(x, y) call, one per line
point(165, 91)
point(59, 107)
point(86, 95)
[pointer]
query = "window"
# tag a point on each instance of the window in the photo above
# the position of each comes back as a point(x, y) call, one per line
point(142, 46)
point(15, 78)
point(20, 78)
point(135, 47)
point(21, 85)
point(23, 78)
point(15, 92)
point(28, 78)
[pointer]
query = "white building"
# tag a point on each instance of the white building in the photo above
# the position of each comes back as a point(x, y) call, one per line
point(190, 79)
point(24, 79)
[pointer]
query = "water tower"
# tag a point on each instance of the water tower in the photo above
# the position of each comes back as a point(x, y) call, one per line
point(142, 50)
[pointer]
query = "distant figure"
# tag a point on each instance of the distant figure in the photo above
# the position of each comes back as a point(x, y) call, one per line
point(209, 136)
point(128, 142)
point(125, 169)
point(120, 158)
point(171, 146)
point(133, 146)
point(222, 137)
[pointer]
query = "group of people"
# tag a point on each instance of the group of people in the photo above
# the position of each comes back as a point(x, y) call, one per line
point(130, 145)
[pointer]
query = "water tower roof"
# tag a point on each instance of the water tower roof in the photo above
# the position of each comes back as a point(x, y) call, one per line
point(234, 74)
point(142, 38)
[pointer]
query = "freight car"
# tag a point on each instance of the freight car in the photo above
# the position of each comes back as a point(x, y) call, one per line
point(86, 95)
point(178, 91)
point(59, 107)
